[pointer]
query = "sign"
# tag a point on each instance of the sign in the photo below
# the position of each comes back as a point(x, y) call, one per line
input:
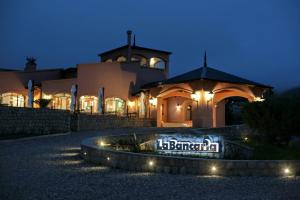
point(179, 144)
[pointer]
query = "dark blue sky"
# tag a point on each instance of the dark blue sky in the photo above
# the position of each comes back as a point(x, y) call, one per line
point(255, 39)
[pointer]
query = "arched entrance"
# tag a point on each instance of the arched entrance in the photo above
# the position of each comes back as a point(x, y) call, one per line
point(175, 108)
point(233, 110)
point(227, 106)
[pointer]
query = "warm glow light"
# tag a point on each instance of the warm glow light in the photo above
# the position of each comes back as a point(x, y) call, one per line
point(196, 96)
point(151, 163)
point(131, 104)
point(259, 99)
point(108, 158)
point(178, 107)
point(245, 139)
point(287, 171)
point(208, 95)
point(153, 101)
point(47, 96)
point(213, 169)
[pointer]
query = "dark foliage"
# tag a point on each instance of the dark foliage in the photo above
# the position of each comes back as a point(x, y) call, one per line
point(43, 103)
point(276, 119)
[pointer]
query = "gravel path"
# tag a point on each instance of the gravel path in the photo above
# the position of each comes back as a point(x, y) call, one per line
point(50, 168)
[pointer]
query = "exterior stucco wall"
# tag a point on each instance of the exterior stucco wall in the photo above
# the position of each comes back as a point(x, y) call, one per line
point(116, 82)
point(58, 86)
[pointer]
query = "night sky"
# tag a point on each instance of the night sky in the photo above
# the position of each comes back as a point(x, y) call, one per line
point(255, 39)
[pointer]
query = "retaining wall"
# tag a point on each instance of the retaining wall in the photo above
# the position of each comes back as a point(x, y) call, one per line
point(19, 122)
point(183, 165)
point(16, 122)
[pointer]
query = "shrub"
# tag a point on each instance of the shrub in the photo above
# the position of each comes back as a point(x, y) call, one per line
point(276, 119)
point(43, 103)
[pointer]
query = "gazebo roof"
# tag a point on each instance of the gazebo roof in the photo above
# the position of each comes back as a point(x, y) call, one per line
point(205, 73)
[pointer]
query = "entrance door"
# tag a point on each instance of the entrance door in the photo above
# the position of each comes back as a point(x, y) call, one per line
point(189, 113)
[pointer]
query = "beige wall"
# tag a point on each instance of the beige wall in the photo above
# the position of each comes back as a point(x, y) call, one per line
point(116, 82)
point(58, 86)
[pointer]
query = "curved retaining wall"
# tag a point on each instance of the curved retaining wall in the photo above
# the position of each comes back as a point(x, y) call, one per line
point(184, 165)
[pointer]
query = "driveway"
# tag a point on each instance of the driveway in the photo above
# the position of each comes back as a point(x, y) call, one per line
point(50, 168)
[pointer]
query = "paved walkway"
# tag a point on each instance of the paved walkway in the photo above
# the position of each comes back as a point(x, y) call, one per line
point(50, 168)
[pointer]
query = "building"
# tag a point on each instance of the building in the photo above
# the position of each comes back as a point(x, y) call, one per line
point(136, 84)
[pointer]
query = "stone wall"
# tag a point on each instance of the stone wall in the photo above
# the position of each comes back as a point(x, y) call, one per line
point(17, 122)
point(139, 162)
point(87, 122)
point(20, 122)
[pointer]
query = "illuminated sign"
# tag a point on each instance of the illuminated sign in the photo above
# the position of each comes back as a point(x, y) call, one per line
point(204, 145)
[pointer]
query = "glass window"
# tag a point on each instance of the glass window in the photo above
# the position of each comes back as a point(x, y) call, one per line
point(121, 59)
point(12, 99)
point(157, 63)
point(108, 60)
point(114, 105)
point(61, 101)
point(89, 104)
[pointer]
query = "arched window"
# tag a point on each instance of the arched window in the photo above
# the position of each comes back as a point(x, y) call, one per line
point(88, 104)
point(121, 59)
point(61, 101)
point(12, 99)
point(114, 105)
point(141, 59)
point(157, 63)
point(108, 60)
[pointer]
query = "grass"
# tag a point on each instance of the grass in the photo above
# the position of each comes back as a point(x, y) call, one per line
point(267, 151)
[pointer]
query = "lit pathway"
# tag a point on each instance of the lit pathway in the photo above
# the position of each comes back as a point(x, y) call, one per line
point(50, 168)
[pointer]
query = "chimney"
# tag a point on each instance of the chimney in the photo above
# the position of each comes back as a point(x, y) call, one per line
point(129, 33)
point(30, 64)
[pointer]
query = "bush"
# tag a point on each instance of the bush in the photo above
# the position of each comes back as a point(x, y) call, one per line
point(276, 119)
point(43, 103)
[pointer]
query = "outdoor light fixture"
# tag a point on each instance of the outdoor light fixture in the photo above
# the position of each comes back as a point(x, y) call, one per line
point(153, 101)
point(151, 163)
point(178, 106)
point(259, 99)
point(287, 171)
point(195, 96)
point(208, 95)
point(85, 153)
point(213, 168)
point(108, 158)
point(245, 139)
point(101, 143)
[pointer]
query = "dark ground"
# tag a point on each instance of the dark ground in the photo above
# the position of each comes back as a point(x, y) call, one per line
point(50, 168)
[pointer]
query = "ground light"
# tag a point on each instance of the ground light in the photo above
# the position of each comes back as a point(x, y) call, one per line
point(287, 171)
point(213, 169)
point(150, 163)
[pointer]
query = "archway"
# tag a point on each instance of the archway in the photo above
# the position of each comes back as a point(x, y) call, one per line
point(12, 99)
point(88, 104)
point(233, 110)
point(114, 105)
point(227, 106)
point(175, 108)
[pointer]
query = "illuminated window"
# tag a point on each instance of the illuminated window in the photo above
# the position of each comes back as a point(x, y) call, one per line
point(61, 101)
point(114, 105)
point(88, 103)
point(141, 59)
point(12, 99)
point(121, 59)
point(108, 60)
point(157, 63)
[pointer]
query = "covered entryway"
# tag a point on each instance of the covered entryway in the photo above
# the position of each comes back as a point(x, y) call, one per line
point(175, 108)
